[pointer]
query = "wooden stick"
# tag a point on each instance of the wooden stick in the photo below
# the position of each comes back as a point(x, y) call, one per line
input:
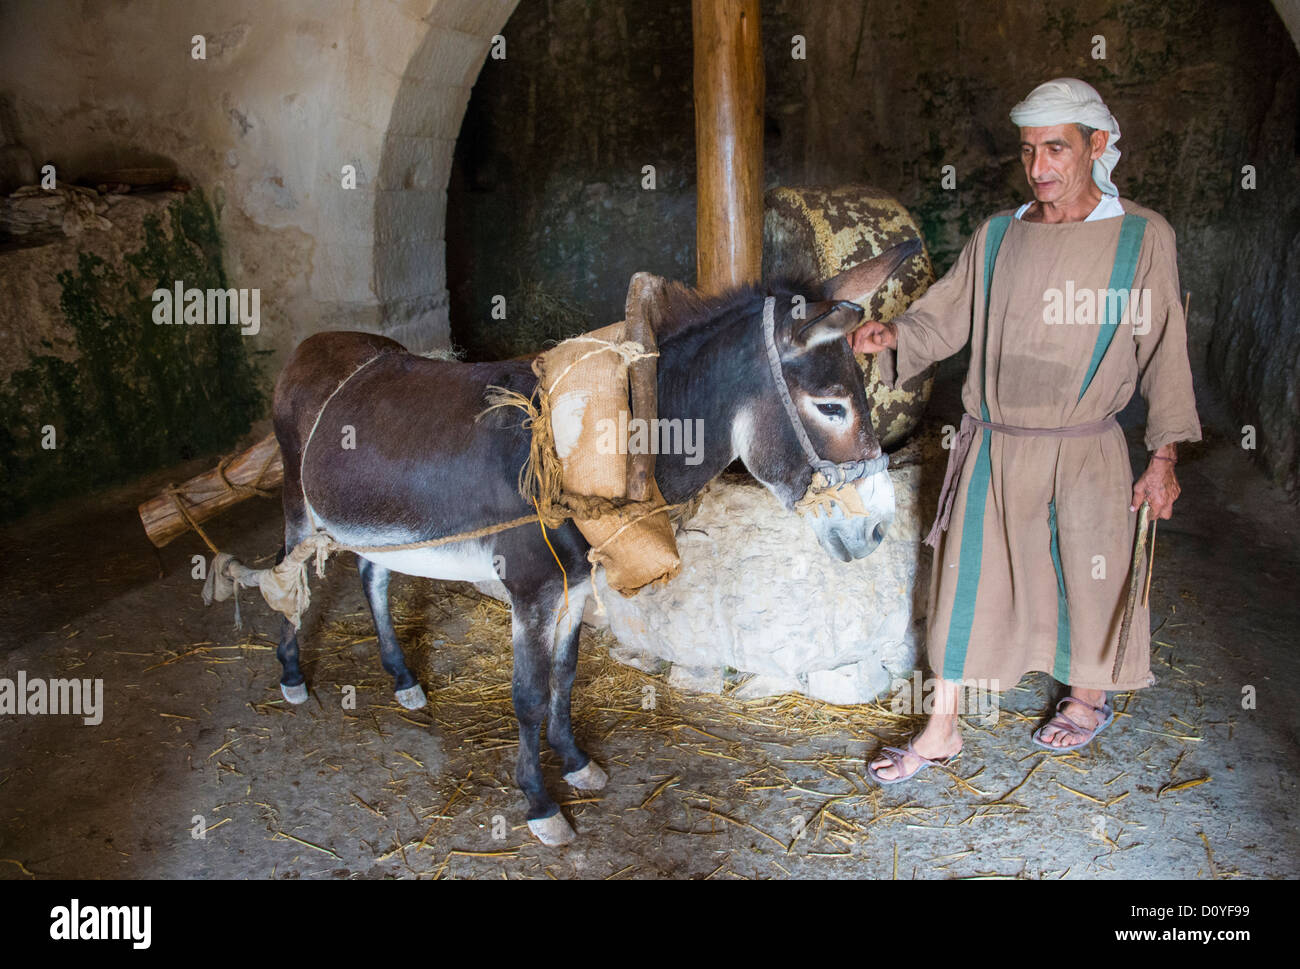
point(1151, 561)
point(1135, 579)
point(256, 471)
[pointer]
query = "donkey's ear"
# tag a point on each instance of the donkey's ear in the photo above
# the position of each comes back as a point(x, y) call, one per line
point(859, 283)
point(826, 321)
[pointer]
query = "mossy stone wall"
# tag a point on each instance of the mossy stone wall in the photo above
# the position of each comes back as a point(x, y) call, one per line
point(122, 394)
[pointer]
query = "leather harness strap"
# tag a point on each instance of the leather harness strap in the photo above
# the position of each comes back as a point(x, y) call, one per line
point(833, 474)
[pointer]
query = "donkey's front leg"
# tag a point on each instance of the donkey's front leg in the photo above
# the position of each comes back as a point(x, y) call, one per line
point(579, 769)
point(533, 633)
point(374, 579)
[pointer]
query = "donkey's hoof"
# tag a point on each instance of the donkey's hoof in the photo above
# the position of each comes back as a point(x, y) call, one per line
point(590, 778)
point(553, 830)
point(412, 697)
point(295, 694)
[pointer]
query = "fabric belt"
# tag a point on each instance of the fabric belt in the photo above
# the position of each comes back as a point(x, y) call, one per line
point(961, 446)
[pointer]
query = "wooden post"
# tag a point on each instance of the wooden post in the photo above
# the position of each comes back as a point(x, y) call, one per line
point(728, 142)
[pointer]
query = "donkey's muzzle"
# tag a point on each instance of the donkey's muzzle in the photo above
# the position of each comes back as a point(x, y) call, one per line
point(851, 519)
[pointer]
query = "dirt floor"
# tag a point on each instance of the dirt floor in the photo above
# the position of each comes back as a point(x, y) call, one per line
point(1192, 781)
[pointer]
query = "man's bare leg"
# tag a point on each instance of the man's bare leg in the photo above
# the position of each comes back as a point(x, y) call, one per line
point(939, 739)
point(1077, 712)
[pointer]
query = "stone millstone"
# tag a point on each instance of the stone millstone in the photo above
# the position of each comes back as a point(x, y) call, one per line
point(758, 595)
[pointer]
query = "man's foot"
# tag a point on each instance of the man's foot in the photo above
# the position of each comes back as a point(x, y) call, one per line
point(1078, 707)
point(930, 744)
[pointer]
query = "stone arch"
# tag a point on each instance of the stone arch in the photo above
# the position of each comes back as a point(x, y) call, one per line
point(410, 188)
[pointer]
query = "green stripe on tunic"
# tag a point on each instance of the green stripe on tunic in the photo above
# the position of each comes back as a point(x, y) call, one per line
point(972, 529)
point(1061, 663)
point(1131, 231)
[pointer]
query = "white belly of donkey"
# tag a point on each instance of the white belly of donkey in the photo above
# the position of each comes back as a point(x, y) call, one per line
point(463, 561)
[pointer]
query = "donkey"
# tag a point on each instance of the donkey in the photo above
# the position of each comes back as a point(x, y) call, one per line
point(398, 456)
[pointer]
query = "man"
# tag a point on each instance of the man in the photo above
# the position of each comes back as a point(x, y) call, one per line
point(1034, 538)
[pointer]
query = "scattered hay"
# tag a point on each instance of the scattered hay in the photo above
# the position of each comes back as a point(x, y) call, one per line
point(793, 784)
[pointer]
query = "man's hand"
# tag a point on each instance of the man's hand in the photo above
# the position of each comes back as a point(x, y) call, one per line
point(1158, 485)
point(874, 336)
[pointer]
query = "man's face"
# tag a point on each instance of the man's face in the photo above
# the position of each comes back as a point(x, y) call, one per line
point(1058, 162)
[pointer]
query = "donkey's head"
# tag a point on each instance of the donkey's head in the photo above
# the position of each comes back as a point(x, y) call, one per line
point(807, 434)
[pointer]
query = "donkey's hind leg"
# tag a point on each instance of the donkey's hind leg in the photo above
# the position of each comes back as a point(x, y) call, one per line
point(374, 579)
point(579, 769)
point(293, 684)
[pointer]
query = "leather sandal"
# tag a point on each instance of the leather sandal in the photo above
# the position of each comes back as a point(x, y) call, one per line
point(1063, 723)
point(896, 755)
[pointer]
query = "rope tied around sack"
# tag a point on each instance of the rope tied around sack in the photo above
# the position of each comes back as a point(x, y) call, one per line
point(593, 553)
point(541, 479)
point(629, 350)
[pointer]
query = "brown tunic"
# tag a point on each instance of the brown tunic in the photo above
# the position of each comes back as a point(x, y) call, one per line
point(1032, 571)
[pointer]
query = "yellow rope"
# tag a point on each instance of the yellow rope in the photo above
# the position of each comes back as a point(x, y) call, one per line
point(546, 538)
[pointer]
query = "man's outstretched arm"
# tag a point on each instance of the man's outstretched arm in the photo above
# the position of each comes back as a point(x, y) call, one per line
point(933, 328)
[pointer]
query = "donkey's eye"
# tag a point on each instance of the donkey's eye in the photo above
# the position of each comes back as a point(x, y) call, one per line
point(835, 411)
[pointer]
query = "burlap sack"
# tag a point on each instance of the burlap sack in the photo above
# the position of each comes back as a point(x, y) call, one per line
point(635, 549)
point(585, 394)
point(587, 386)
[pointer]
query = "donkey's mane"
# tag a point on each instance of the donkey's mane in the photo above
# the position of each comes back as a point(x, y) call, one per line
point(680, 309)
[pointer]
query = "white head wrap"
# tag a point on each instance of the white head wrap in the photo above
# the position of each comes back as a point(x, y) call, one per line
point(1067, 100)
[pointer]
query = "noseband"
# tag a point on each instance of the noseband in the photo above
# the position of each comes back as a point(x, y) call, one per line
point(827, 475)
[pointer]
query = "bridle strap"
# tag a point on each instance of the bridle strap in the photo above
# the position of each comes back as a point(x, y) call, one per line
point(783, 389)
point(835, 474)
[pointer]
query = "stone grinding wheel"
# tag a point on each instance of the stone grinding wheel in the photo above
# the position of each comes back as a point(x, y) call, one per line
point(822, 231)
